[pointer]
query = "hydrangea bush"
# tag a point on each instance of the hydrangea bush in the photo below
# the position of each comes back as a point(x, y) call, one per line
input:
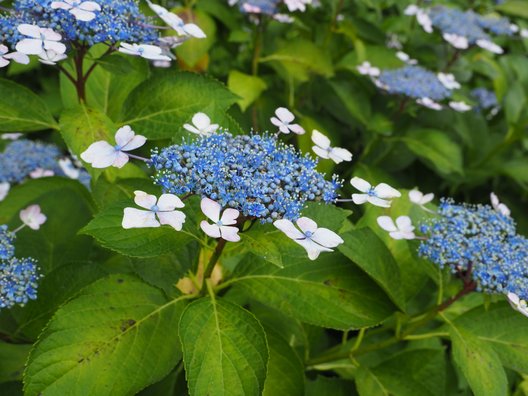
point(253, 197)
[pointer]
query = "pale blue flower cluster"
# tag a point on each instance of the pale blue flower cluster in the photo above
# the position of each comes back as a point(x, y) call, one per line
point(479, 238)
point(468, 23)
point(485, 98)
point(118, 20)
point(413, 81)
point(256, 174)
point(18, 281)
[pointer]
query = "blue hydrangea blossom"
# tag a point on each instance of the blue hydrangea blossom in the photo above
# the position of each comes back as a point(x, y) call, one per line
point(18, 281)
point(7, 238)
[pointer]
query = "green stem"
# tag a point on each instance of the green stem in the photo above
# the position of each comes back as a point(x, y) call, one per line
point(208, 270)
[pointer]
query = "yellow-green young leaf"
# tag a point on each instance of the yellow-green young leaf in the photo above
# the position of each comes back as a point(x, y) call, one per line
point(516, 8)
point(479, 363)
point(12, 360)
point(194, 49)
point(115, 338)
point(160, 106)
point(224, 349)
point(21, 110)
point(248, 87)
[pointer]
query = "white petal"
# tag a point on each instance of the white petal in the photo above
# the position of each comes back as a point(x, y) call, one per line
point(383, 190)
point(136, 218)
point(33, 217)
point(230, 233)
point(306, 225)
point(168, 202)
point(275, 121)
point(61, 5)
point(284, 115)
point(194, 30)
point(90, 6)
point(323, 153)
point(128, 140)
point(82, 15)
point(321, 140)
point(415, 196)
point(338, 155)
point(297, 129)
point(3, 62)
point(4, 190)
point(359, 199)
point(121, 159)
point(144, 200)
point(201, 120)
point(459, 106)
point(404, 223)
point(229, 216)
point(69, 169)
point(192, 129)
point(175, 219)
point(100, 155)
point(211, 209)
point(50, 34)
point(18, 57)
point(312, 248)
point(56, 46)
point(386, 223)
point(289, 229)
point(210, 229)
point(360, 184)
point(29, 46)
point(29, 30)
point(489, 46)
point(379, 202)
point(427, 198)
point(326, 238)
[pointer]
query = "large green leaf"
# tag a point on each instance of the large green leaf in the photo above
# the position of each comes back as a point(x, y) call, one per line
point(21, 110)
point(160, 106)
point(248, 87)
point(224, 349)
point(12, 360)
point(116, 337)
point(330, 292)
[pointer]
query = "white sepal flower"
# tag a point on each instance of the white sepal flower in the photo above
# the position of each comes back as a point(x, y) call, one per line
point(429, 103)
point(367, 69)
point(4, 190)
point(147, 51)
point(283, 18)
point(514, 28)
point(380, 195)
point(461, 107)
point(11, 136)
point(69, 168)
point(448, 80)
point(294, 5)
point(489, 46)
point(498, 206)
point(6, 58)
point(524, 33)
point(176, 23)
point(411, 10)
point(324, 150)
point(81, 10)
point(402, 229)
point(517, 303)
point(158, 212)
point(102, 154)
point(424, 21)
point(459, 42)
point(51, 57)
point(33, 217)
point(419, 198)
point(404, 57)
point(40, 39)
point(315, 240)
point(40, 173)
point(201, 125)
point(223, 226)
point(284, 119)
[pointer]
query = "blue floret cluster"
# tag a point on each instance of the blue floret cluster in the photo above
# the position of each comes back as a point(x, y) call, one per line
point(481, 239)
point(485, 98)
point(257, 174)
point(117, 21)
point(468, 24)
point(415, 82)
point(18, 277)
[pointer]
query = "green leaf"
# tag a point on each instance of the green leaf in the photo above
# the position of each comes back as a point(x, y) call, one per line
point(194, 49)
point(155, 111)
point(115, 63)
point(21, 110)
point(514, 103)
point(248, 87)
point(479, 363)
point(326, 386)
point(224, 349)
point(12, 360)
point(516, 8)
point(417, 372)
point(116, 337)
point(436, 149)
point(353, 99)
point(106, 228)
point(365, 249)
point(329, 292)
point(259, 242)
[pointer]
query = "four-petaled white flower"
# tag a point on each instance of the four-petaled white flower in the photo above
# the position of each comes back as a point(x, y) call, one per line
point(40, 173)
point(315, 240)
point(368, 70)
point(69, 168)
point(517, 303)
point(102, 154)
point(4, 190)
point(459, 106)
point(147, 51)
point(429, 103)
point(459, 42)
point(201, 125)
point(6, 58)
point(448, 80)
point(223, 226)
point(404, 57)
point(176, 23)
point(158, 212)
point(489, 46)
point(324, 150)
point(51, 57)
point(402, 229)
point(284, 121)
point(294, 5)
point(33, 217)
point(81, 10)
point(419, 198)
point(498, 206)
point(40, 39)
point(380, 195)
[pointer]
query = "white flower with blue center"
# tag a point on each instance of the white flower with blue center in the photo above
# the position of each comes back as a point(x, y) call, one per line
point(223, 226)
point(40, 39)
point(517, 303)
point(102, 154)
point(33, 217)
point(201, 125)
point(323, 149)
point(51, 57)
point(312, 238)
point(419, 198)
point(81, 10)
point(380, 195)
point(401, 229)
point(176, 23)
point(147, 51)
point(158, 212)
point(284, 119)
point(6, 58)
point(498, 206)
